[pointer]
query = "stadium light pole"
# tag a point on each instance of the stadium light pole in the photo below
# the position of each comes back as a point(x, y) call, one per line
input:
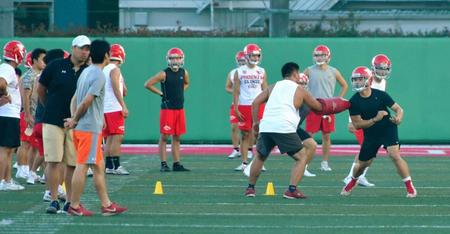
point(279, 18)
point(212, 14)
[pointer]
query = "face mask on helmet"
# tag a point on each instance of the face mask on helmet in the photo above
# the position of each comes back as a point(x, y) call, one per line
point(359, 83)
point(320, 58)
point(381, 72)
point(175, 61)
point(254, 58)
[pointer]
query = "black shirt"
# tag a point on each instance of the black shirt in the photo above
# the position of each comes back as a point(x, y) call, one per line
point(368, 108)
point(60, 79)
point(173, 89)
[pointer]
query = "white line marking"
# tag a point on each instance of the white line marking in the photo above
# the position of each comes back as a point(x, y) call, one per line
point(438, 152)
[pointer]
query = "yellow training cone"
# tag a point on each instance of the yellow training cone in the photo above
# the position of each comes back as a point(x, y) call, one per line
point(270, 191)
point(158, 188)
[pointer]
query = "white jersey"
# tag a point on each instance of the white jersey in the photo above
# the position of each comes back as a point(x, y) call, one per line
point(12, 109)
point(380, 86)
point(280, 114)
point(111, 103)
point(251, 80)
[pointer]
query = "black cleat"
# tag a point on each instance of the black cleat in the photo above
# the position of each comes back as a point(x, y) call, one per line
point(179, 167)
point(164, 168)
point(53, 207)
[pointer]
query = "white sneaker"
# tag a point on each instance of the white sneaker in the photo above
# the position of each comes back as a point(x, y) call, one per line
point(21, 173)
point(32, 177)
point(324, 166)
point(12, 186)
point(308, 173)
point(121, 171)
point(15, 166)
point(364, 182)
point(250, 154)
point(61, 193)
point(89, 172)
point(241, 167)
point(234, 154)
point(109, 171)
point(47, 196)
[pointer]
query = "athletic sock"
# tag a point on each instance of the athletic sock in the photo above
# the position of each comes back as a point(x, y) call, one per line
point(109, 162)
point(292, 188)
point(236, 148)
point(251, 186)
point(116, 162)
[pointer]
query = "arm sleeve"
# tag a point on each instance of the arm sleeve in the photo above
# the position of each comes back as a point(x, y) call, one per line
point(388, 101)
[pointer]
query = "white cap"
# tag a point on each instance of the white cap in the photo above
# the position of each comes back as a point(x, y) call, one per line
point(81, 41)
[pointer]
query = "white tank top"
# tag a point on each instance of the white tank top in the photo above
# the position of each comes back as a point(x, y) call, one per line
point(380, 86)
point(111, 103)
point(12, 109)
point(280, 114)
point(231, 75)
point(251, 80)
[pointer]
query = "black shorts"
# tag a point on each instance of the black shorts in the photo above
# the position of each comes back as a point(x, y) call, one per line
point(10, 132)
point(289, 143)
point(303, 134)
point(371, 144)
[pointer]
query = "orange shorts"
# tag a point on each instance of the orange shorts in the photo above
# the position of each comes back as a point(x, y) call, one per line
point(315, 123)
point(88, 146)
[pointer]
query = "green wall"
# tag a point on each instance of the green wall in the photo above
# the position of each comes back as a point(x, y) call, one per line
point(419, 80)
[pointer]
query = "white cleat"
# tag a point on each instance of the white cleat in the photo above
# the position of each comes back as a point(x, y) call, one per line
point(308, 173)
point(61, 193)
point(364, 182)
point(121, 171)
point(241, 167)
point(15, 166)
point(42, 179)
point(234, 154)
point(32, 177)
point(109, 171)
point(21, 173)
point(12, 186)
point(324, 166)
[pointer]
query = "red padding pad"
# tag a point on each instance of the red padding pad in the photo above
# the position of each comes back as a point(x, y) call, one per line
point(333, 105)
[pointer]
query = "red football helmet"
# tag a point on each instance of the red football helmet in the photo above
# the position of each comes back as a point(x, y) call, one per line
point(14, 51)
point(66, 54)
point(303, 80)
point(321, 54)
point(240, 58)
point(361, 78)
point(253, 54)
point(175, 58)
point(117, 53)
point(381, 66)
point(28, 60)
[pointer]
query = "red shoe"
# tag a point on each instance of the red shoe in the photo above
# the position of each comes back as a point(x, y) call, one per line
point(250, 192)
point(411, 191)
point(294, 195)
point(113, 209)
point(347, 190)
point(80, 211)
